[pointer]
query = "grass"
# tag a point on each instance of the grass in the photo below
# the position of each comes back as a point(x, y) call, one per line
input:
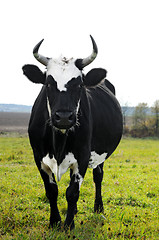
point(130, 195)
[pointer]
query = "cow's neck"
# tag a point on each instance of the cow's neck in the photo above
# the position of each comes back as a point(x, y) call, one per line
point(59, 145)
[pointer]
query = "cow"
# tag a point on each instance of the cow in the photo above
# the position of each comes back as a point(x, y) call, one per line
point(75, 123)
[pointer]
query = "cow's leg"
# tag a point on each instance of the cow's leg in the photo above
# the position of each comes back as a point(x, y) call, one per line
point(51, 189)
point(98, 177)
point(72, 195)
point(52, 194)
point(71, 173)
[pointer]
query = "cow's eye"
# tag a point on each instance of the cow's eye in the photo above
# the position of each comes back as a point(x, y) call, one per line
point(81, 85)
point(74, 83)
point(78, 87)
point(51, 82)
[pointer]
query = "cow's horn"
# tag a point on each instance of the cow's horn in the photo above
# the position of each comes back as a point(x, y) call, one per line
point(40, 58)
point(88, 60)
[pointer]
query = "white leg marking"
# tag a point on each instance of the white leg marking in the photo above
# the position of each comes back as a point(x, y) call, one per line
point(66, 163)
point(96, 159)
point(78, 177)
point(49, 165)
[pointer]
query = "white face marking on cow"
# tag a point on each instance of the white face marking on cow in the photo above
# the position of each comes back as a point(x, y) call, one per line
point(63, 70)
point(48, 107)
point(78, 106)
point(49, 165)
point(96, 159)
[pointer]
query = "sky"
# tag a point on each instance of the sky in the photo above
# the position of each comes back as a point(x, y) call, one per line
point(126, 33)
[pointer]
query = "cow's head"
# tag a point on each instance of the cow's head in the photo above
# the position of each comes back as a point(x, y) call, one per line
point(64, 82)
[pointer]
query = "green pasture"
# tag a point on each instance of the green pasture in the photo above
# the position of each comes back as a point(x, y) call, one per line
point(130, 195)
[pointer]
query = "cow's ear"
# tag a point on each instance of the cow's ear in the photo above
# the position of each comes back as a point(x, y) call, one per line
point(110, 86)
point(34, 74)
point(94, 77)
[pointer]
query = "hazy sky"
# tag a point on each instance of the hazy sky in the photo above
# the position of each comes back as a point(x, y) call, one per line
point(126, 32)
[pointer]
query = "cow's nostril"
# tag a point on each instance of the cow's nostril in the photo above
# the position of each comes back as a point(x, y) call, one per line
point(57, 117)
point(70, 118)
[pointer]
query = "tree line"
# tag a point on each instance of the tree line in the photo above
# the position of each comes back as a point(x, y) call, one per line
point(144, 121)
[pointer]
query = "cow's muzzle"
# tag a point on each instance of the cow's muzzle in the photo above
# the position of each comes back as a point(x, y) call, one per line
point(64, 120)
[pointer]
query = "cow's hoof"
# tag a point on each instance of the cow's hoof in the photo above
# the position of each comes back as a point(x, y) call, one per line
point(98, 208)
point(69, 227)
point(56, 225)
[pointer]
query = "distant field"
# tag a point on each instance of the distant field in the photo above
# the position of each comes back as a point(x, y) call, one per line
point(14, 122)
point(130, 195)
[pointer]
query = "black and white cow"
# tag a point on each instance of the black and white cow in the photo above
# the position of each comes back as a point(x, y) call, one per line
point(76, 123)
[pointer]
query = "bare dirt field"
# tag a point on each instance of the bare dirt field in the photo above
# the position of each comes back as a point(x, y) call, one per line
point(14, 122)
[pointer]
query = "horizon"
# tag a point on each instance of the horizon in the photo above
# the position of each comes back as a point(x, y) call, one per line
point(129, 106)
